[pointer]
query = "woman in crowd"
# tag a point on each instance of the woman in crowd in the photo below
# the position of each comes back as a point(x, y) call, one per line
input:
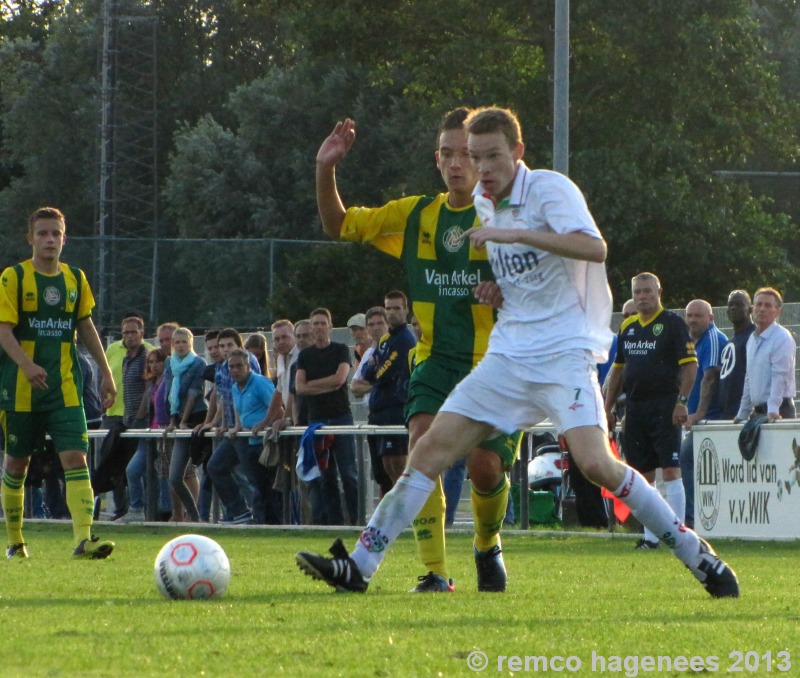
point(183, 387)
point(257, 345)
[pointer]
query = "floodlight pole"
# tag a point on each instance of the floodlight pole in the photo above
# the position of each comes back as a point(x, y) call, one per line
point(561, 89)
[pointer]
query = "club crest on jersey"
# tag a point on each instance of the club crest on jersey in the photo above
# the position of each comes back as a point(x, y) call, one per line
point(657, 329)
point(51, 296)
point(452, 239)
point(72, 295)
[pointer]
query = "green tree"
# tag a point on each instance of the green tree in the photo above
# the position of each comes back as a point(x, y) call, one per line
point(665, 95)
point(342, 277)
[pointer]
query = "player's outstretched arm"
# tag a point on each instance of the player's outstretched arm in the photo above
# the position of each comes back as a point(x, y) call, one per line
point(574, 245)
point(329, 202)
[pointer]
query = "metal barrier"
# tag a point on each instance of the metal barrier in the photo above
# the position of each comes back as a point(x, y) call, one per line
point(366, 493)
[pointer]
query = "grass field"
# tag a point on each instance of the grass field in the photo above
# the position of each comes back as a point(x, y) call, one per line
point(568, 596)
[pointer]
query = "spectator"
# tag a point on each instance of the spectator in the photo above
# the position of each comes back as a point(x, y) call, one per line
point(322, 371)
point(286, 351)
point(229, 340)
point(115, 354)
point(660, 366)
point(252, 394)
point(769, 380)
point(361, 339)
point(298, 405)
point(92, 405)
point(134, 366)
point(154, 417)
point(215, 361)
point(256, 344)
point(709, 343)
point(311, 508)
point(388, 373)
point(187, 408)
point(116, 452)
point(164, 336)
point(214, 357)
point(377, 328)
point(734, 355)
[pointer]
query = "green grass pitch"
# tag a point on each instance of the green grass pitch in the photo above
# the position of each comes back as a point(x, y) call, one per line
point(578, 597)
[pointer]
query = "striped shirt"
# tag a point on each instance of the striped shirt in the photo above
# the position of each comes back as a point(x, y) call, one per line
point(44, 311)
point(441, 269)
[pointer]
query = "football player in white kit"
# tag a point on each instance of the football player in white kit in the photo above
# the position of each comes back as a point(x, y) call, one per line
point(547, 255)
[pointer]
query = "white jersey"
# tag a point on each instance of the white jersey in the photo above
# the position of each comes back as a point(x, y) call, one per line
point(551, 304)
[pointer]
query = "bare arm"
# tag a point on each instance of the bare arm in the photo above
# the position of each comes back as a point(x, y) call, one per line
point(88, 335)
point(613, 386)
point(329, 202)
point(574, 245)
point(211, 414)
point(276, 408)
point(708, 387)
point(688, 374)
point(360, 388)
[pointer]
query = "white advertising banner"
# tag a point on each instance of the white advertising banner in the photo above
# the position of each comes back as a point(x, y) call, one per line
point(756, 499)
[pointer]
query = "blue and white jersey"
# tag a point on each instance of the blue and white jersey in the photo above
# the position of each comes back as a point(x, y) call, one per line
point(709, 354)
point(551, 304)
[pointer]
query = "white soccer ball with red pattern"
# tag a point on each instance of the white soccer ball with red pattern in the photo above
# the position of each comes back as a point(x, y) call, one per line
point(192, 567)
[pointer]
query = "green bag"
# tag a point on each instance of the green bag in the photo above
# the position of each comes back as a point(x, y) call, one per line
point(541, 506)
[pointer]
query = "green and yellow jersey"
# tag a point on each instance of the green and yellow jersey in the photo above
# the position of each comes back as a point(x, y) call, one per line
point(425, 234)
point(44, 311)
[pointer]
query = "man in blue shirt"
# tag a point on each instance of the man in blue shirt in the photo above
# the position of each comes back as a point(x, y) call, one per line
point(388, 372)
point(704, 398)
point(233, 451)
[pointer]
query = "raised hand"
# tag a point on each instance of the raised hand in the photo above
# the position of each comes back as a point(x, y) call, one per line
point(338, 143)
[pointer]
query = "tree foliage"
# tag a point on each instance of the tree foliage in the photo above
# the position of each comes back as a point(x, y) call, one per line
point(664, 96)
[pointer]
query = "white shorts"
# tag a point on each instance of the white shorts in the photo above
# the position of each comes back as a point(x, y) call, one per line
point(512, 395)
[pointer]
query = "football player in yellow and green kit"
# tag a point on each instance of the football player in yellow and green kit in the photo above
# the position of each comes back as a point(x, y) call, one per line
point(448, 279)
point(43, 303)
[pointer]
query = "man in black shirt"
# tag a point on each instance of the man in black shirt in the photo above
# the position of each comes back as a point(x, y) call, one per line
point(322, 371)
point(734, 355)
point(656, 365)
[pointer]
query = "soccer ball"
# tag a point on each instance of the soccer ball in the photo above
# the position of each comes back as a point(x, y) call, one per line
point(192, 567)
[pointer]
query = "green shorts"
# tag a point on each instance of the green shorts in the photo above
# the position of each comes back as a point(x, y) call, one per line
point(431, 383)
point(25, 431)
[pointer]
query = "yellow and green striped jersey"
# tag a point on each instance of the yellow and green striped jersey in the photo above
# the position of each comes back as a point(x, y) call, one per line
point(424, 233)
point(44, 311)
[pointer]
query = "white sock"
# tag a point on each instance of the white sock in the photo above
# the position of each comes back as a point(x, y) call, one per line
point(394, 513)
point(650, 509)
point(649, 535)
point(675, 496)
